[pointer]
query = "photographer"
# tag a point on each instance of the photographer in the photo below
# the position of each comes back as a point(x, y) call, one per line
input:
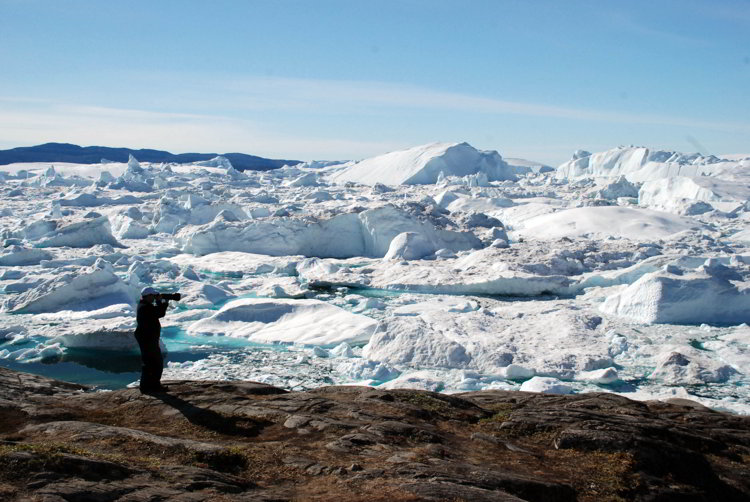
point(151, 308)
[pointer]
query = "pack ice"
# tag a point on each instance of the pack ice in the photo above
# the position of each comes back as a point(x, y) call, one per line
point(440, 267)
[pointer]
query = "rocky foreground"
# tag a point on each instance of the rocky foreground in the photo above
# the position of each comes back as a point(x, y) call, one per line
point(249, 441)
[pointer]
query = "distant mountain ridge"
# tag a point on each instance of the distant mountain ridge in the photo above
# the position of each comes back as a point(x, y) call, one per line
point(66, 152)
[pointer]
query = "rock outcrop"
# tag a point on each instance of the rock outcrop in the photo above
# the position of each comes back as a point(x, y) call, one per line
point(250, 441)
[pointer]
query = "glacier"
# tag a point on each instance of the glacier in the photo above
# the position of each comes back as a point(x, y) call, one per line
point(439, 267)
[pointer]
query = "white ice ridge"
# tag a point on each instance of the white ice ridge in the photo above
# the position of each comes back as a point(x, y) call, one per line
point(368, 233)
point(713, 293)
point(680, 194)
point(476, 273)
point(424, 164)
point(237, 264)
point(19, 256)
point(304, 322)
point(82, 234)
point(85, 289)
point(641, 164)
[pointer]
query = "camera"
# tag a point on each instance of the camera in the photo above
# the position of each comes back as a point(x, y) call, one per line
point(171, 296)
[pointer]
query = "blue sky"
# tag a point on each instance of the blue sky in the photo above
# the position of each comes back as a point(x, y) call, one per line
point(330, 79)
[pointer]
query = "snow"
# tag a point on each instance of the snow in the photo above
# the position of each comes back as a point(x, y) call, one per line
point(19, 256)
point(439, 267)
point(87, 288)
point(307, 322)
point(603, 222)
point(81, 234)
point(409, 246)
point(640, 164)
point(368, 233)
point(546, 386)
point(675, 194)
point(712, 293)
point(423, 164)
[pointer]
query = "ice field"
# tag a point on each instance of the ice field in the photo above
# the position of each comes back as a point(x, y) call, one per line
point(439, 267)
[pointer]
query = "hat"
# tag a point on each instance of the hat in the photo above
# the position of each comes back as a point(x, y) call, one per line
point(148, 291)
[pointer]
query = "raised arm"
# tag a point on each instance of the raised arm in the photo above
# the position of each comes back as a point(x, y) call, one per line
point(161, 307)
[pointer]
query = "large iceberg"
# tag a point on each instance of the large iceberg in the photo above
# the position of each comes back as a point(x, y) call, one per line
point(713, 293)
point(17, 256)
point(81, 234)
point(86, 289)
point(424, 165)
point(368, 233)
point(678, 193)
point(640, 164)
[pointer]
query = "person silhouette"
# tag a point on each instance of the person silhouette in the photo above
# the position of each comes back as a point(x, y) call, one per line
point(151, 307)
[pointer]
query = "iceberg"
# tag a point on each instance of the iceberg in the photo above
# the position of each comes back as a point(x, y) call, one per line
point(368, 233)
point(87, 289)
point(603, 222)
point(82, 234)
point(640, 164)
point(304, 322)
point(712, 294)
point(423, 164)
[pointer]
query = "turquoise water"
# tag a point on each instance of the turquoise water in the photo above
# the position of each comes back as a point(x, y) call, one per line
point(110, 369)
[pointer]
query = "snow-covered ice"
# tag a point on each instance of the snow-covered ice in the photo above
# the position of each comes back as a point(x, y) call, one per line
point(440, 267)
point(307, 322)
point(425, 164)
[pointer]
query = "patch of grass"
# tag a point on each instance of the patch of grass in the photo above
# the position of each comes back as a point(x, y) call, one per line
point(48, 455)
point(44, 449)
point(424, 401)
point(436, 404)
point(325, 488)
point(264, 464)
point(501, 413)
point(7, 491)
point(232, 460)
point(598, 476)
point(44, 455)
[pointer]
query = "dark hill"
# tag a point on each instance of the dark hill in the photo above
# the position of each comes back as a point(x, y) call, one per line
point(65, 152)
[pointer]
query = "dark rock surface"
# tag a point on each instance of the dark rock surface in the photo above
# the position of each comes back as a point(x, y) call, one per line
point(249, 441)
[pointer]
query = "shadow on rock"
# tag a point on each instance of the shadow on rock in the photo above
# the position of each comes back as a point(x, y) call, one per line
point(212, 420)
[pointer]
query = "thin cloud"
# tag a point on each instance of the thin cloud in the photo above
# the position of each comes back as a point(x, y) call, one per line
point(341, 96)
point(287, 117)
point(178, 132)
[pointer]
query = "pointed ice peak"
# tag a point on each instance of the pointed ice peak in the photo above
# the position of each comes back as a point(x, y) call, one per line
point(234, 173)
point(55, 211)
point(218, 161)
point(306, 180)
point(134, 165)
point(191, 201)
point(223, 162)
point(50, 172)
point(106, 177)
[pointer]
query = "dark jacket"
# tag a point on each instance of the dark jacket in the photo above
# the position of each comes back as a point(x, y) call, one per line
point(147, 318)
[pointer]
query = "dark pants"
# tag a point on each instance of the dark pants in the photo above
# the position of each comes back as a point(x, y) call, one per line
point(153, 364)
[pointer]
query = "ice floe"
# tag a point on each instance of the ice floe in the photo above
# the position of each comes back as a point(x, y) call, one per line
point(306, 322)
